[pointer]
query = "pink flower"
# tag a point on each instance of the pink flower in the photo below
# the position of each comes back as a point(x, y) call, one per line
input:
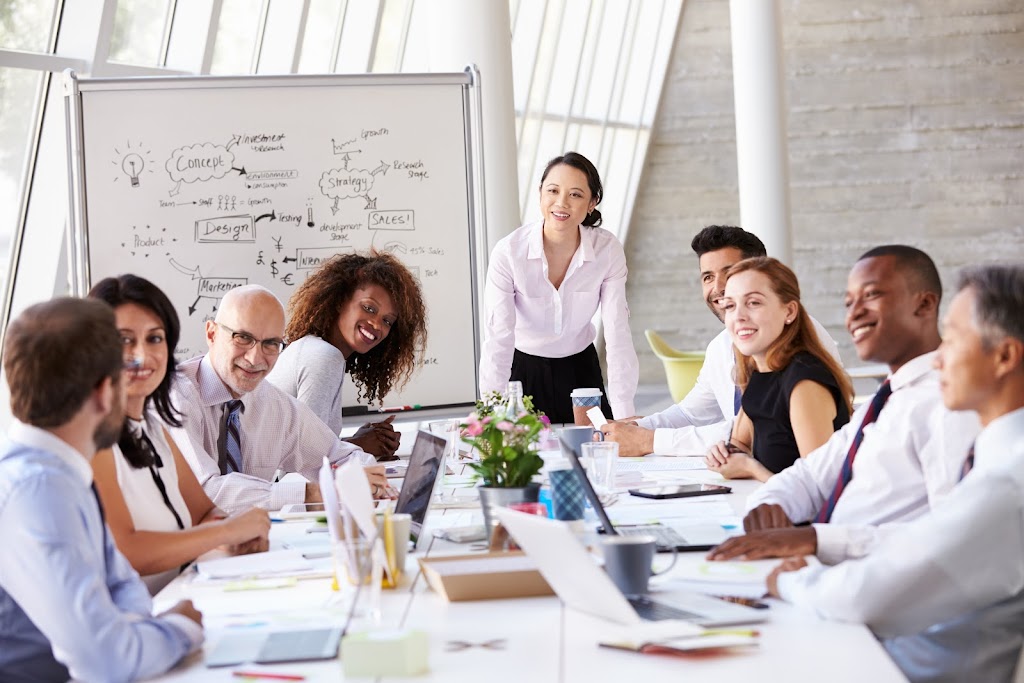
point(505, 426)
point(546, 420)
point(474, 428)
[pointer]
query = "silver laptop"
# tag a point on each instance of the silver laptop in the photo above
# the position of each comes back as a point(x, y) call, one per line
point(582, 584)
point(701, 536)
point(421, 479)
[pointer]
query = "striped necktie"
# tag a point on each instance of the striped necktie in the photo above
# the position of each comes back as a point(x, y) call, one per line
point(846, 474)
point(968, 464)
point(231, 438)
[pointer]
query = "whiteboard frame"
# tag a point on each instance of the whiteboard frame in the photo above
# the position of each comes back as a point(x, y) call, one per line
point(78, 225)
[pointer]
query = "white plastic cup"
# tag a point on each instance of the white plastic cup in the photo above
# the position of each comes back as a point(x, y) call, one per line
point(582, 401)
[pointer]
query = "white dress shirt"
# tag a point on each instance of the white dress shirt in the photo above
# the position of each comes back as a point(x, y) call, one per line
point(705, 415)
point(277, 432)
point(524, 310)
point(948, 587)
point(909, 460)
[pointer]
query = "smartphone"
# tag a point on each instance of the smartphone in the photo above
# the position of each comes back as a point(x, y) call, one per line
point(680, 491)
point(301, 511)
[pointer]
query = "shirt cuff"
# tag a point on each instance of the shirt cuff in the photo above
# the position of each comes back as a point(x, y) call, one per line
point(192, 631)
point(286, 492)
point(833, 542)
point(663, 441)
point(622, 409)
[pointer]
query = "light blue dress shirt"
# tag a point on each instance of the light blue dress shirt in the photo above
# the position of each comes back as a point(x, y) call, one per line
point(70, 604)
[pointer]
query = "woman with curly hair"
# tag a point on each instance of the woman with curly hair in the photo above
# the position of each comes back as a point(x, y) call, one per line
point(361, 313)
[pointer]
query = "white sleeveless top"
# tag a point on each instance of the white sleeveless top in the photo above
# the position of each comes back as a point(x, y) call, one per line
point(143, 498)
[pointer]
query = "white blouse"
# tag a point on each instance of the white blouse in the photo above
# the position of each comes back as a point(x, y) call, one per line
point(143, 498)
point(524, 310)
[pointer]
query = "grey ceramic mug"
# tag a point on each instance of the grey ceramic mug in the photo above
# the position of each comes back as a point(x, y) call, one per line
point(628, 559)
point(577, 436)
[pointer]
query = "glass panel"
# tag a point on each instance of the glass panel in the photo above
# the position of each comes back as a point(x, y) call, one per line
point(19, 101)
point(318, 43)
point(357, 37)
point(236, 37)
point(389, 38)
point(26, 24)
point(138, 36)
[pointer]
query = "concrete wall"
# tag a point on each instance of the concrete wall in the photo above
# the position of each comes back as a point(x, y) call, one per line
point(906, 124)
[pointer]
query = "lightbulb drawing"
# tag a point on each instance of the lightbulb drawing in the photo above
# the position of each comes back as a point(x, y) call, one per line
point(132, 167)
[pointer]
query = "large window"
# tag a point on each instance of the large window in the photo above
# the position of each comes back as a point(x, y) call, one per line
point(587, 76)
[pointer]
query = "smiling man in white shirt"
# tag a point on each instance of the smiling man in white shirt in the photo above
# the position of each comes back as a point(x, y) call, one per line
point(945, 592)
point(704, 417)
point(908, 453)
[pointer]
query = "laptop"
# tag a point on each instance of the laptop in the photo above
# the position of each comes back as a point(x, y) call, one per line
point(421, 480)
point(581, 584)
point(704, 536)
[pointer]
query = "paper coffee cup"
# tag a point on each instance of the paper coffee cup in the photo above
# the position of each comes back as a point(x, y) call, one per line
point(582, 401)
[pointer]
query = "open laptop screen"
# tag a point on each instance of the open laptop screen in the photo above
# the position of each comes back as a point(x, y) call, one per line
point(421, 476)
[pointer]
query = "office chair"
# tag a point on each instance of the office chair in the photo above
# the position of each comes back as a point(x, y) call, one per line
point(681, 367)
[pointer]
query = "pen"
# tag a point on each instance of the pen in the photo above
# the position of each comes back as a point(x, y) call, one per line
point(267, 674)
point(749, 602)
point(753, 633)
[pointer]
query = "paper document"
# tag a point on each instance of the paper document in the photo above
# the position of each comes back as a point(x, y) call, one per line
point(485, 565)
point(273, 563)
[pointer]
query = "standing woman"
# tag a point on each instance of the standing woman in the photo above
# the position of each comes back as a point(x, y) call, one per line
point(795, 394)
point(358, 313)
point(545, 283)
point(155, 507)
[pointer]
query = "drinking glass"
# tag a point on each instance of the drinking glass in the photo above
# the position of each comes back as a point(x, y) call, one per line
point(602, 459)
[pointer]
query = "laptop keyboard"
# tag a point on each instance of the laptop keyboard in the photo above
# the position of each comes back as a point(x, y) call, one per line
point(655, 611)
point(664, 536)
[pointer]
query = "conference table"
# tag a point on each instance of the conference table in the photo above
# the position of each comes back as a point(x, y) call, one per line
point(525, 639)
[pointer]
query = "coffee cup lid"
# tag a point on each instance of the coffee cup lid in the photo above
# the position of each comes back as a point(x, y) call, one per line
point(585, 392)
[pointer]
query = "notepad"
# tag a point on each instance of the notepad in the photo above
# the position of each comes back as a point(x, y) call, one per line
point(273, 563)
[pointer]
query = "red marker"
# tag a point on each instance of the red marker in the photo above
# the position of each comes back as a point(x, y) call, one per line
point(267, 674)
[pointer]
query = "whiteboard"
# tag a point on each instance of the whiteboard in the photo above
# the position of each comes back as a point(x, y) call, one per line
point(205, 184)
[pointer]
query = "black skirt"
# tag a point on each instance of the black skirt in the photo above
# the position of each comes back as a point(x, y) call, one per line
point(550, 381)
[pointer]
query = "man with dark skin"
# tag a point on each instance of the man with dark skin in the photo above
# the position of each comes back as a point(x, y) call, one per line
point(908, 454)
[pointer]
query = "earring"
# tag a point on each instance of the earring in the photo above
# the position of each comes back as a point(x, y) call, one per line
point(789, 321)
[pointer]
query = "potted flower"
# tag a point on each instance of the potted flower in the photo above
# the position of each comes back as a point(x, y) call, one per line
point(504, 430)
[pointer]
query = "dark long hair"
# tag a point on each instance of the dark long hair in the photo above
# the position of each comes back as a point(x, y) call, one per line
point(796, 337)
point(316, 304)
point(132, 289)
point(581, 163)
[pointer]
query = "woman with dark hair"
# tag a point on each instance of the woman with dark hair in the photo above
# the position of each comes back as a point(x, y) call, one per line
point(795, 394)
point(358, 313)
point(155, 507)
point(545, 283)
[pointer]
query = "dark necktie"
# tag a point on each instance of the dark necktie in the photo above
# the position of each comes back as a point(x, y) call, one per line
point(231, 438)
point(846, 474)
point(737, 401)
point(103, 520)
point(968, 464)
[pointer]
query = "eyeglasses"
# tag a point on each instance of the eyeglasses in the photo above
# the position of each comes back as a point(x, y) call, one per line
point(244, 340)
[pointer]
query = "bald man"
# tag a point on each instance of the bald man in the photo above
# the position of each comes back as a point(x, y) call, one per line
point(241, 429)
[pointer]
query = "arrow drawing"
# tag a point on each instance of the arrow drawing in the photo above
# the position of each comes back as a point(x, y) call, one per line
point(175, 190)
point(289, 259)
point(241, 171)
point(382, 169)
point(370, 203)
point(194, 272)
point(272, 216)
point(192, 308)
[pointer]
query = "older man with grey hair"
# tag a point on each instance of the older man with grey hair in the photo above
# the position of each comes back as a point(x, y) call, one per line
point(945, 592)
point(241, 429)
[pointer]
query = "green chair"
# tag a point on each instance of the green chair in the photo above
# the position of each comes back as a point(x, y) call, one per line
point(681, 367)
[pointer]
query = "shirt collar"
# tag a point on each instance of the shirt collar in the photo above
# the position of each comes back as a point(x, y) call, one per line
point(212, 390)
point(535, 243)
point(912, 370)
point(34, 437)
point(1005, 429)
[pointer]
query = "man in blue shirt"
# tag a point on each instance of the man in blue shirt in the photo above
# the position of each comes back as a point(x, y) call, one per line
point(70, 604)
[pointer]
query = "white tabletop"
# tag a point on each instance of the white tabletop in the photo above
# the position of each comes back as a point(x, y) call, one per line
point(543, 641)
